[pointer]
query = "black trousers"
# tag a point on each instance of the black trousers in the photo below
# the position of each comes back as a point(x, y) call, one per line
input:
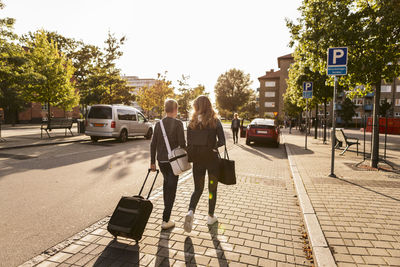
point(235, 132)
point(199, 173)
point(169, 188)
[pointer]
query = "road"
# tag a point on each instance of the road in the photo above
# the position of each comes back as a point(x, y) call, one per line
point(50, 193)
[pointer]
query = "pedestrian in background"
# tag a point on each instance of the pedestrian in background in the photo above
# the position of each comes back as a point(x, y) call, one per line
point(235, 128)
point(202, 134)
point(176, 137)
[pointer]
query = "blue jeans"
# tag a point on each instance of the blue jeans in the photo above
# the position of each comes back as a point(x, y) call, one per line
point(169, 188)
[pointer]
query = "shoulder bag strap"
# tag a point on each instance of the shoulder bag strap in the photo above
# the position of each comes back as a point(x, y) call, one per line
point(165, 137)
point(226, 153)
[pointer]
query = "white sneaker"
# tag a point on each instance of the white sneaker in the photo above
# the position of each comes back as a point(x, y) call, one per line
point(212, 219)
point(188, 221)
point(167, 225)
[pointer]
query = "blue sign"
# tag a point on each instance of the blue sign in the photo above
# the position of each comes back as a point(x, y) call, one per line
point(337, 56)
point(307, 89)
point(337, 61)
point(337, 70)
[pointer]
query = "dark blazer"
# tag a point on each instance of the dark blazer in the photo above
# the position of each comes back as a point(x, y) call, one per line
point(238, 123)
point(176, 137)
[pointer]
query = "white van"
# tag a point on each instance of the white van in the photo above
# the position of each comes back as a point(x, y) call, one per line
point(106, 121)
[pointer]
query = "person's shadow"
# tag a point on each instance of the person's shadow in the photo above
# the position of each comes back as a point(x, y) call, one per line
point(116, 252)
point(213, 229)
point(162, 257)
point(189, 252)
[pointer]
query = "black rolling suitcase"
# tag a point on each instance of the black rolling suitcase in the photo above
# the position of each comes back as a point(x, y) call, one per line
point(131, 214)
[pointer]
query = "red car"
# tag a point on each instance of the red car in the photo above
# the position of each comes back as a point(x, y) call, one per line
point(263, 130)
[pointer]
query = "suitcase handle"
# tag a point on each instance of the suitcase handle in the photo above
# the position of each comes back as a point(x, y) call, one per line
point(145, 180)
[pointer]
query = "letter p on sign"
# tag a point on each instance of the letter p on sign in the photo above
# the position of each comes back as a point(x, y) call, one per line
point(337, 56)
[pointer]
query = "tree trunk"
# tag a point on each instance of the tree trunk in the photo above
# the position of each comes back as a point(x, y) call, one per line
point(375, 127)
point(325, 120)
point(316, 122)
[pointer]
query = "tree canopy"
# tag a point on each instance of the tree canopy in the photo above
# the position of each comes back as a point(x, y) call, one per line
point(232, 90)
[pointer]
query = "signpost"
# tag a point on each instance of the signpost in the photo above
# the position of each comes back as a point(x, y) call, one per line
point(307, 93)
point(337, 66)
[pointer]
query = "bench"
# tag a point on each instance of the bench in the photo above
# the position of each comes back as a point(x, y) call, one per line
point(56, 123)
point(342, 139)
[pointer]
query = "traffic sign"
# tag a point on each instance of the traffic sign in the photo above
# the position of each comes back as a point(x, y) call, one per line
point(337, 61)
point(307, 89)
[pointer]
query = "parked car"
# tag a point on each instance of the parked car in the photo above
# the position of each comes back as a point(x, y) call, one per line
point(263, 130)
point(116, 121)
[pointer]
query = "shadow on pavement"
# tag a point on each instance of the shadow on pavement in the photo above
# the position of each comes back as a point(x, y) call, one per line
point(368, 189)
point(131, 154)
point(189, 252)
point(162, 257)
point(213, 229)
point(299, 150)
point(118, 253)
point(254, 151)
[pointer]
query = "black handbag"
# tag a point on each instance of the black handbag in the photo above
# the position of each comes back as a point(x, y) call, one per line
point(227, 174)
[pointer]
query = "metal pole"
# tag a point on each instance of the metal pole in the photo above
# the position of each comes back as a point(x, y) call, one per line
point(306, 130)
point(333, 135)
point(384, 151)
point(365, 129)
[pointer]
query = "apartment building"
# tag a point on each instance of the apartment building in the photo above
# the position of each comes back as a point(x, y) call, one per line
point(272, 87)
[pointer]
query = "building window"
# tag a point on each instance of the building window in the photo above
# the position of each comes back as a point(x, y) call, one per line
point(386, 100)
point(45, 106)
point(398, 88)
point(269, 104)
point(269, 94)
point(386, 88)
point(269, 84)
point(397, 103)
point(358, 102)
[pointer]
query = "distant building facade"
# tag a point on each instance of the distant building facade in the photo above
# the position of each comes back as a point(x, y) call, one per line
point(272, 88)
point(137, 83)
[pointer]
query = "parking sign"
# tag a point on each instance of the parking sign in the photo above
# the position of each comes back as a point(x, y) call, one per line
point(337, 60)
point(307, 89)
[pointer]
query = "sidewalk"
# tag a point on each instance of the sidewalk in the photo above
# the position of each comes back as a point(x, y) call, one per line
point(28, 135)
point(359, 211)
point(260, 224)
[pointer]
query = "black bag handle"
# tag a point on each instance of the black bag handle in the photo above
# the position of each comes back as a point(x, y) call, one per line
point(145, 180)
point(226, 155)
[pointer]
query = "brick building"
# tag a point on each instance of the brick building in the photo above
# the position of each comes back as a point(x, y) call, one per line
point(36, 112)
point(272, 87)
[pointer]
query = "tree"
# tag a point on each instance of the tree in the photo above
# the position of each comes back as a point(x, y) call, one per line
point(187, 95)
point(348, 111)
point(232, 90)
point(369, 29)
point(250, 110)
point(13, 73)
point(153, 97)
point(52, 80)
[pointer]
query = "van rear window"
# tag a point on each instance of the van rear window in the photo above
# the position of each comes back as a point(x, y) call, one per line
point(100, 113)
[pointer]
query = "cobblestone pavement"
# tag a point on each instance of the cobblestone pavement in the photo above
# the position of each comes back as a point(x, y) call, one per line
point(359, 211)
point(259, 224)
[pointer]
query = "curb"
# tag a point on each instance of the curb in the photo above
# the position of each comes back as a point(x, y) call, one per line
point(44, 144)
point(321, 252)
point(63, 244)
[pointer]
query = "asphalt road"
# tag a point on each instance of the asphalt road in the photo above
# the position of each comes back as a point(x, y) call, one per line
point(48, 194)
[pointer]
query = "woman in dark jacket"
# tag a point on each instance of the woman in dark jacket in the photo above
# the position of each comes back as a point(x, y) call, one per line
point(235, 128)
point(204, 135)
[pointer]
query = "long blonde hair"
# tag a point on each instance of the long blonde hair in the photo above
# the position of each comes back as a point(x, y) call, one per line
point(203, 115)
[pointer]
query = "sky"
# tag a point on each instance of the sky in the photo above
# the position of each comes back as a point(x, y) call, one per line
point(202, 39)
